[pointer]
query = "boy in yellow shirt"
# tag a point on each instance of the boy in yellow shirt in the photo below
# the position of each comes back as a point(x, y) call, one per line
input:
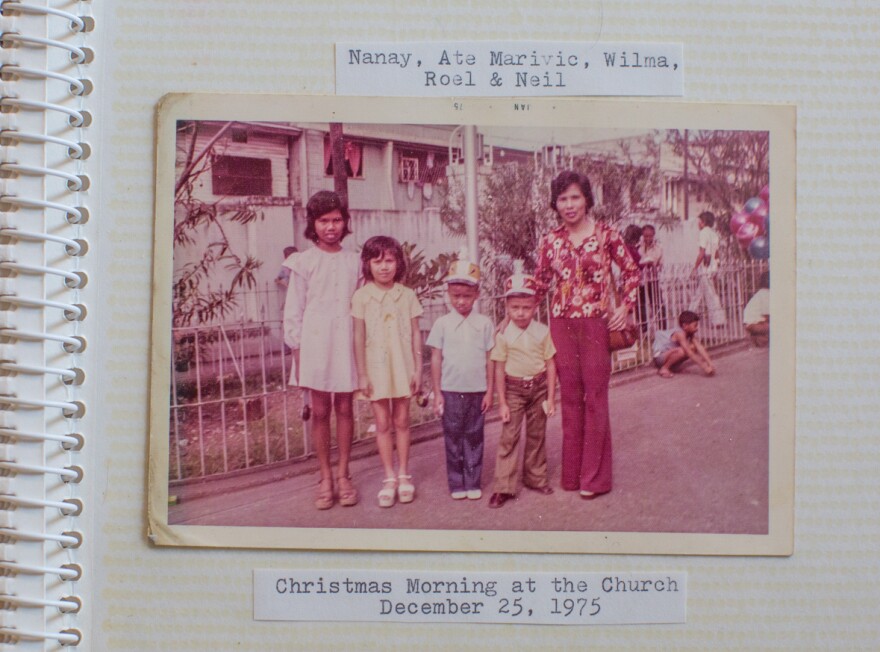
point(525, 375)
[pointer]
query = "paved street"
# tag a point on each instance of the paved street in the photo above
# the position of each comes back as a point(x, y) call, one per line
point(690, 455)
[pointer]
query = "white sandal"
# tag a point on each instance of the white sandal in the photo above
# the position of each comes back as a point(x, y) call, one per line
point(388, 492)
point(406, 491)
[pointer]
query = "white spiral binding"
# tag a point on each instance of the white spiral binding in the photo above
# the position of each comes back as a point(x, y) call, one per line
point(76, 214)
point(73, 312)
point(74, 181)
point(75, 150)
point(77, 118)
point(77, 86)
point(74, 247)
point(65, 637)
point(73, 375)
point(72, 280)
point(14, 230)
point(67, 474)
point(78, 55)
point(13, 501)
point(78, 22)
point(67, 572)
point(67, 604)
point(71, 344)
point(66, 540)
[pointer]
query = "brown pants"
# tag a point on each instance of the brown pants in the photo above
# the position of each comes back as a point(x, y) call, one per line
point(524, 400)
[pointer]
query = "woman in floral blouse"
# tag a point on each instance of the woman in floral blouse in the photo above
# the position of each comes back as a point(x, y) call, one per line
point(574, 260)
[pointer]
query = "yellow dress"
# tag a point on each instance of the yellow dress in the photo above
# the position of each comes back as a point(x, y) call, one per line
point(387, 316)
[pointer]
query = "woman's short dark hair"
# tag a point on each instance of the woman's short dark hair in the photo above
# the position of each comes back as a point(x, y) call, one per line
point(565, 179)
point(321, 203)
point(378, 246)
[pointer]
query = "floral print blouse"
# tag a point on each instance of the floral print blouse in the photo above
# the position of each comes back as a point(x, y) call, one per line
point(578, 273)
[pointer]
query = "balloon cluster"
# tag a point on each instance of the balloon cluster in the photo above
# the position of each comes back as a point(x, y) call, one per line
point(751, 225)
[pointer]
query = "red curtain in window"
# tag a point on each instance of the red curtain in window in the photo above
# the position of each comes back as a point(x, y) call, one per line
point(354, 153)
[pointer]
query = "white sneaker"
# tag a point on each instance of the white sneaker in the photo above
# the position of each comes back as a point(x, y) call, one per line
point(459, 495)
point(474, 494)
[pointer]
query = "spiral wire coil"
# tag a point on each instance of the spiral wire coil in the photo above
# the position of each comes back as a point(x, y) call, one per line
point(42, 45)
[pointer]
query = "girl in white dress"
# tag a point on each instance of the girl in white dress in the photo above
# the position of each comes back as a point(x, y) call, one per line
point(388, 352)
point(318, 328)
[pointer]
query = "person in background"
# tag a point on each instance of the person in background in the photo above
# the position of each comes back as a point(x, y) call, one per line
point(631, 236)
point(651, 264)
point(756, 314)
point(705, 267)
point(282, 280)
point(672, 347)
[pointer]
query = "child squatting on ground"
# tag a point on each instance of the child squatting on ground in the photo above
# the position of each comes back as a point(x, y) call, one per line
point(525, 372)
point(388, 353)
point(318, 330)
point(673, 347)
point(462, 377)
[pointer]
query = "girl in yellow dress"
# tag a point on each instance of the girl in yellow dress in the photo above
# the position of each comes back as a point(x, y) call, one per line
point(388, 354)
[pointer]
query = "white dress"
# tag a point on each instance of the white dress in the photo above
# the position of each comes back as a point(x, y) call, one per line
point(317, 318)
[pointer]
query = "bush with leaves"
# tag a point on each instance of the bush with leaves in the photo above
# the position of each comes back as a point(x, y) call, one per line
point(198, 223)
point(423, 276)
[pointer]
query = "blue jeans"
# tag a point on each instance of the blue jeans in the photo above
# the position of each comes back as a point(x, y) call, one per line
point(463, 432)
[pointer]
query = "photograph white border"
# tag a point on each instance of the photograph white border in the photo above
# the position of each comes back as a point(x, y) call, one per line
point(779, 120)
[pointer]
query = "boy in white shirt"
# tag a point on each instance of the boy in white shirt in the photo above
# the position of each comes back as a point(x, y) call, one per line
point(462, 377)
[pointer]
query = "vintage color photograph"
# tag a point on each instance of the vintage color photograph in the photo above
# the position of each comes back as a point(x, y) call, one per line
point(429, 334)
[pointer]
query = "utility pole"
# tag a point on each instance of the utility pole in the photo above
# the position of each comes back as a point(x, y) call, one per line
point(469, 151)
point(337, 154)
point(687, 183)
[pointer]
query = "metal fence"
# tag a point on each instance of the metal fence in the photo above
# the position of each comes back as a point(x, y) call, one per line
point(232, 408)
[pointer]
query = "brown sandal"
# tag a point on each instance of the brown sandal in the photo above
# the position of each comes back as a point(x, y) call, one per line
point(324, 497)
point(348, 495)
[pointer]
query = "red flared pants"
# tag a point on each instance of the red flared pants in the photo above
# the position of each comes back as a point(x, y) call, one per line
point(583, 363)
